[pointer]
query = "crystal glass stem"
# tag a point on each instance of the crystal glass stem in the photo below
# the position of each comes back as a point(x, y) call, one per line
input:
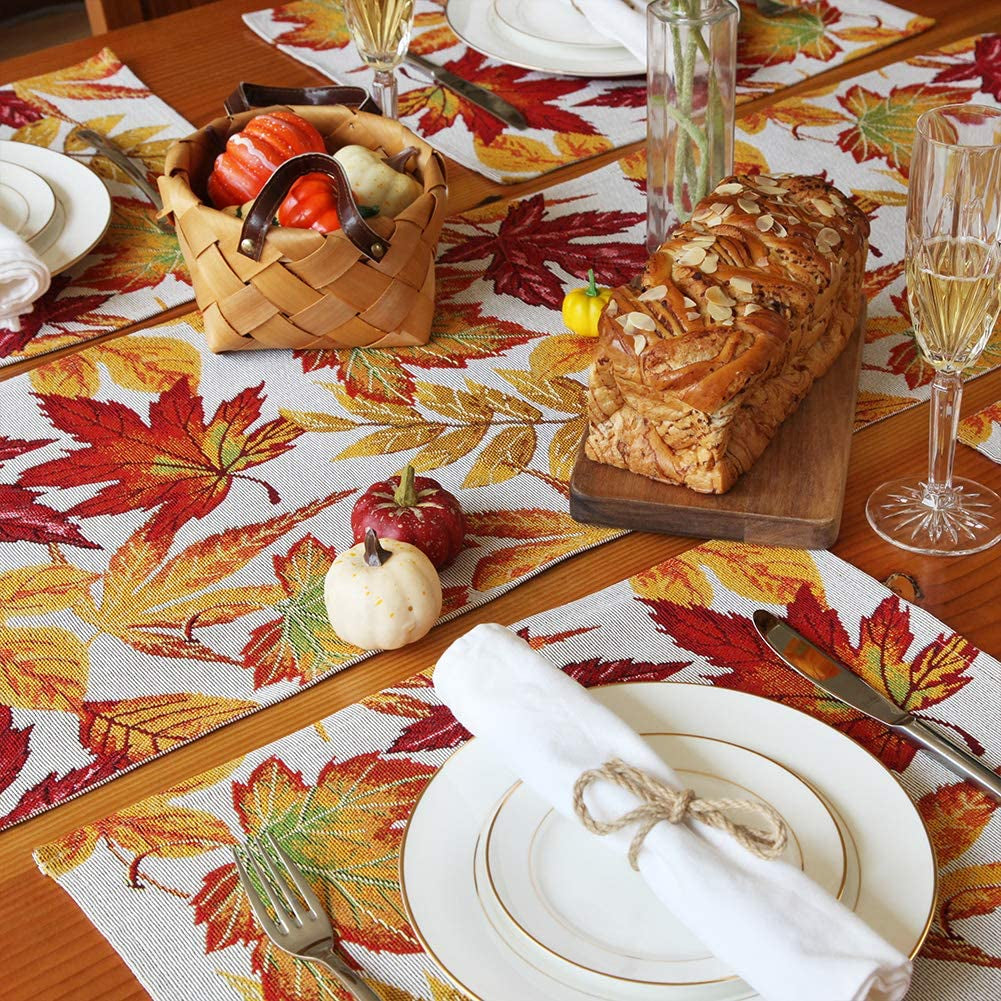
point(946, 395)
point(386, 93)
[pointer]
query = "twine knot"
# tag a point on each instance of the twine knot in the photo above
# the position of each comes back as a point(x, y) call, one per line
point(661, 802)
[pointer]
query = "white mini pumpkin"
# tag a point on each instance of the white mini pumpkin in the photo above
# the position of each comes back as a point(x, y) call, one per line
point(382, 594)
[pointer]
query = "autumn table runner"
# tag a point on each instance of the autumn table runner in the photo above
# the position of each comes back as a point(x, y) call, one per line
point(136, 271)
point(571, 118)
point(157, 878)
point(982, 431)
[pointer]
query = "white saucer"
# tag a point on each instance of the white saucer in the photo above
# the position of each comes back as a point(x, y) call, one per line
point(27, 203)
point(556, 22)
point(546, 871)
point(477, 24)
point(83, 205)
point(890, 881)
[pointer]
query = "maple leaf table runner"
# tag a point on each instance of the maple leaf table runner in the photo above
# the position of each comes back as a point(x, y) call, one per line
point(571, 118)
point(137, 270)
point(158, 879)
point(982, 431)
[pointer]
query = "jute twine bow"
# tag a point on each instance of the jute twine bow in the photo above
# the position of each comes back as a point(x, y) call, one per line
point(661, 802)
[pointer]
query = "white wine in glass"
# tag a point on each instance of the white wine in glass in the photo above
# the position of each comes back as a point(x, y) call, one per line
point(954, 295)
point(381, 31)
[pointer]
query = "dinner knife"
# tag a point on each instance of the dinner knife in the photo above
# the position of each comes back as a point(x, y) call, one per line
point(478, 95)
point(124, 162)
point(836, 679)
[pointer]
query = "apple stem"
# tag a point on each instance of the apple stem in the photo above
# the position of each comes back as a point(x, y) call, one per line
point(405, 494)
point(375, 555)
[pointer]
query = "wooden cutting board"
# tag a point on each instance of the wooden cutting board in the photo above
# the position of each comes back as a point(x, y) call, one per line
point(792, 496)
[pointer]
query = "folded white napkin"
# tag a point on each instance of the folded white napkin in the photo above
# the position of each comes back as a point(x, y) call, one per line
point(23, 278)
point(778, 930)
point(618, 20)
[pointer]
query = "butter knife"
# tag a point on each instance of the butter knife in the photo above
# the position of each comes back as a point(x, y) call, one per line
point(120, 159)
point(836, 679)
point(478, 95)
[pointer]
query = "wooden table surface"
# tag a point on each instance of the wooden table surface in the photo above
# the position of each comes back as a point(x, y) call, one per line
point(192, 60)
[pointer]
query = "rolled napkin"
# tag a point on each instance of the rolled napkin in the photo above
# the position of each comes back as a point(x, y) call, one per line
point(23, 278)
point(778, 930)
point(619, 21)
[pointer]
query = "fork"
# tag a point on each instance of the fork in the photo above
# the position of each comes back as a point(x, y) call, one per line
point(303, 931)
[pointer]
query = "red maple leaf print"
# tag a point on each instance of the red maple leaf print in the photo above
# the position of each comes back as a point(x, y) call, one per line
point(533, 95)
point(222, 906)
point(729, 641)
point(177, 460)
point(15, 112)
point(22, 517)
point(51, 309)
point(628, 96)
point(527, 240)
point(436, 731)
point(905, 359)
point(986, 64)
point(596, 671)
point(14, 748)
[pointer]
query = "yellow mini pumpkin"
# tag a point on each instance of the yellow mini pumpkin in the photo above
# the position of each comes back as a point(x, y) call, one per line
point(382, 595)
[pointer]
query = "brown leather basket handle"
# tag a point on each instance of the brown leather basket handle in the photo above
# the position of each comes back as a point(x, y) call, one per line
point(262, 212)
point(259, 95)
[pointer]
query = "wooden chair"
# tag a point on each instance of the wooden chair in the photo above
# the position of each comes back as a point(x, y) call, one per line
point(107, 14)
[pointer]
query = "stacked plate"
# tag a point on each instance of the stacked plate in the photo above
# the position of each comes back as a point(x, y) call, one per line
point(552, 37)
point(59, 207)
point(513, 900)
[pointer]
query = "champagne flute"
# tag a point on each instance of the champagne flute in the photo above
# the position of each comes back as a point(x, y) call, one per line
point(381, 32)
point(954, 293)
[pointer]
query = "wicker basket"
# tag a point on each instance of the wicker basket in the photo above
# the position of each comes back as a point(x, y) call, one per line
point(277, 287)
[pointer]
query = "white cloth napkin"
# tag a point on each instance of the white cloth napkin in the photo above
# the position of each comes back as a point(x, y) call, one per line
point(778, 930)
point(621, 21)
point(23, 278)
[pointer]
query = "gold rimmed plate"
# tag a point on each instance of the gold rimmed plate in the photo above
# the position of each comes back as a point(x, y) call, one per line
point(890, 883)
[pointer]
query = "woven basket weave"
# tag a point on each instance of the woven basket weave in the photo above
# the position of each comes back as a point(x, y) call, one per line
point(308, 289)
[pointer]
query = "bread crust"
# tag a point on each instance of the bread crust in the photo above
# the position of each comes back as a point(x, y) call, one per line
point(735, 317)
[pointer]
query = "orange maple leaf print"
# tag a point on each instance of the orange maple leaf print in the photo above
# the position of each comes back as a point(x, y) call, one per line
point(178, 459)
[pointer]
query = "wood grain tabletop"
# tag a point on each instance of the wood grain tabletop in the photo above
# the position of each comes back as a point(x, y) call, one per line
point(192, 60)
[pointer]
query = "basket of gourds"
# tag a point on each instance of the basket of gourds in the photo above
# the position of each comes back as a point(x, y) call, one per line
point(307, 220)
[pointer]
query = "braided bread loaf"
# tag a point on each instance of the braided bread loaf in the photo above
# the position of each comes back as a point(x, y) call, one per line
point(738, 313)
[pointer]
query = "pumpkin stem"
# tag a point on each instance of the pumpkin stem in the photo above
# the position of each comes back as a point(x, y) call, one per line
point(405, 494)
point(375, 555)
point(592, 286)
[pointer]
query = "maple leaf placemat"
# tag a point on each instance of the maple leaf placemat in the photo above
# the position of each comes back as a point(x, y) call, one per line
point(982, 431)
point(137, 270)
point(571, 118)
point(336, 795)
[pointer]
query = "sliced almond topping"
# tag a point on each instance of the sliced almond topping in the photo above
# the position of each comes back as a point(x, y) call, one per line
point(612, 309)
point(703, 240)
point(713, 220)
point(742, 285)
point(719, 207)
point(717, 297)
point(730, 188)
point(657, 292)
point(690, 303)
point(749, 205)
point(640, 321)
point(779, 230)
point(764, 223)
point(829, 236)
point(710, 264)
point(691, 256)
point(719, 313)
point(694, 314)
point(623, 320)
point(751, 307)
point(639, 343)
point(824, 207)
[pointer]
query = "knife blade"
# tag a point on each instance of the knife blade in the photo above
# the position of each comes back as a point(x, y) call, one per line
point(838, 680)
point(473, 92)
point(110, 149)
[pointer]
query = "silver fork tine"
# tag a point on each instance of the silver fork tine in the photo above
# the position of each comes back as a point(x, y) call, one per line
point(275, 886)
point(275, 928)
point(305, 890)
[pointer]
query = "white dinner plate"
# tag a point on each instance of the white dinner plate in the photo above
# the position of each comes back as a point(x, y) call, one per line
point(555, 22)
point(83, 205)
point(890, 881)
point(545, 871)
point(477, 24)
point(27, 203)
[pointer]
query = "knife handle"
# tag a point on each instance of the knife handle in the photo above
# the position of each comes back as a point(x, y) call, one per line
point(953, 757)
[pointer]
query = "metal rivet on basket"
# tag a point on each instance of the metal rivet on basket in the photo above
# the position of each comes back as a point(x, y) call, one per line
point(247, 246)
point(378, 250)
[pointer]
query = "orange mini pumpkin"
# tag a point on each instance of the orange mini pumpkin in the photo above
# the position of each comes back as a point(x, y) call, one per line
point(311, 204)
point(251, 156)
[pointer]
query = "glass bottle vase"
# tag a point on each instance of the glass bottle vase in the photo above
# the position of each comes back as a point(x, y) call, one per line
point(691, 82)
